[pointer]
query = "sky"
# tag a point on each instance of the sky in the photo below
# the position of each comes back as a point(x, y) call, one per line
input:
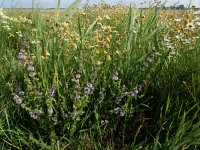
point(66, 3)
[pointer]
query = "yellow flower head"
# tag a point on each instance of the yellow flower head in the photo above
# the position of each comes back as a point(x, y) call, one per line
point(99, 62)
point(97, 51)
point(43, 58)
point(99, 18)
point(67, 31)
point(186, 21)
point(26, 61)
point(109, 29)
point(55, 74)
point(108, 39)
point(97, 40)
point(108, 57)
point(117, 52)
point(107, 45)
point(110, 36)
point(47, 53)
point(74, 45)
point(33, 57)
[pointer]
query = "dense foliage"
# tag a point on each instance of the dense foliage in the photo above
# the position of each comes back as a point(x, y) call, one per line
point(100, 78)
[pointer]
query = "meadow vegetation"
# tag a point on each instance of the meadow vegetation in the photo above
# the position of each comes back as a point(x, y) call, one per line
point(100, 78)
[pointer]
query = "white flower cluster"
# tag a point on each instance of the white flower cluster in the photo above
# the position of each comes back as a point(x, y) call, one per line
point(196, 20)
point(19, 20)
point(25, 20)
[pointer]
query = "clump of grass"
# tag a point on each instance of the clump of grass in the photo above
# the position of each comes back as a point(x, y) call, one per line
point(76, 80)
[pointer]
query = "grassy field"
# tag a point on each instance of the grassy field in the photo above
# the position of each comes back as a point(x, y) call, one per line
point(100, 78)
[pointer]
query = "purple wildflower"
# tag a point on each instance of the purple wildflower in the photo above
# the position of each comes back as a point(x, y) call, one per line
point(40, 94)
point(87, 90)
point(115, 78)
point(50, 111)
point(145, 64)
point(103, 122)
point(149, 60)
point(136, 90)
point(30, 62)
point(32, 74)
point(51, 92)
point(132, 94)
point(78, 76)
point(30, 68)
point(78, 96)
point(118, 100)
point(90, 85)
point(21, 93)
point(36, 114)
point(17, 99)
point(121, 114)
point(22, 51)
point(21, 56)
point(118, 111)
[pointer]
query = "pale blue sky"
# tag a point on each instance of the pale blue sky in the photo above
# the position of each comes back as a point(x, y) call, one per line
point(65, 3)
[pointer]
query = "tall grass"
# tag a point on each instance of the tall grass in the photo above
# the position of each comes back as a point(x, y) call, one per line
point(85, 80)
